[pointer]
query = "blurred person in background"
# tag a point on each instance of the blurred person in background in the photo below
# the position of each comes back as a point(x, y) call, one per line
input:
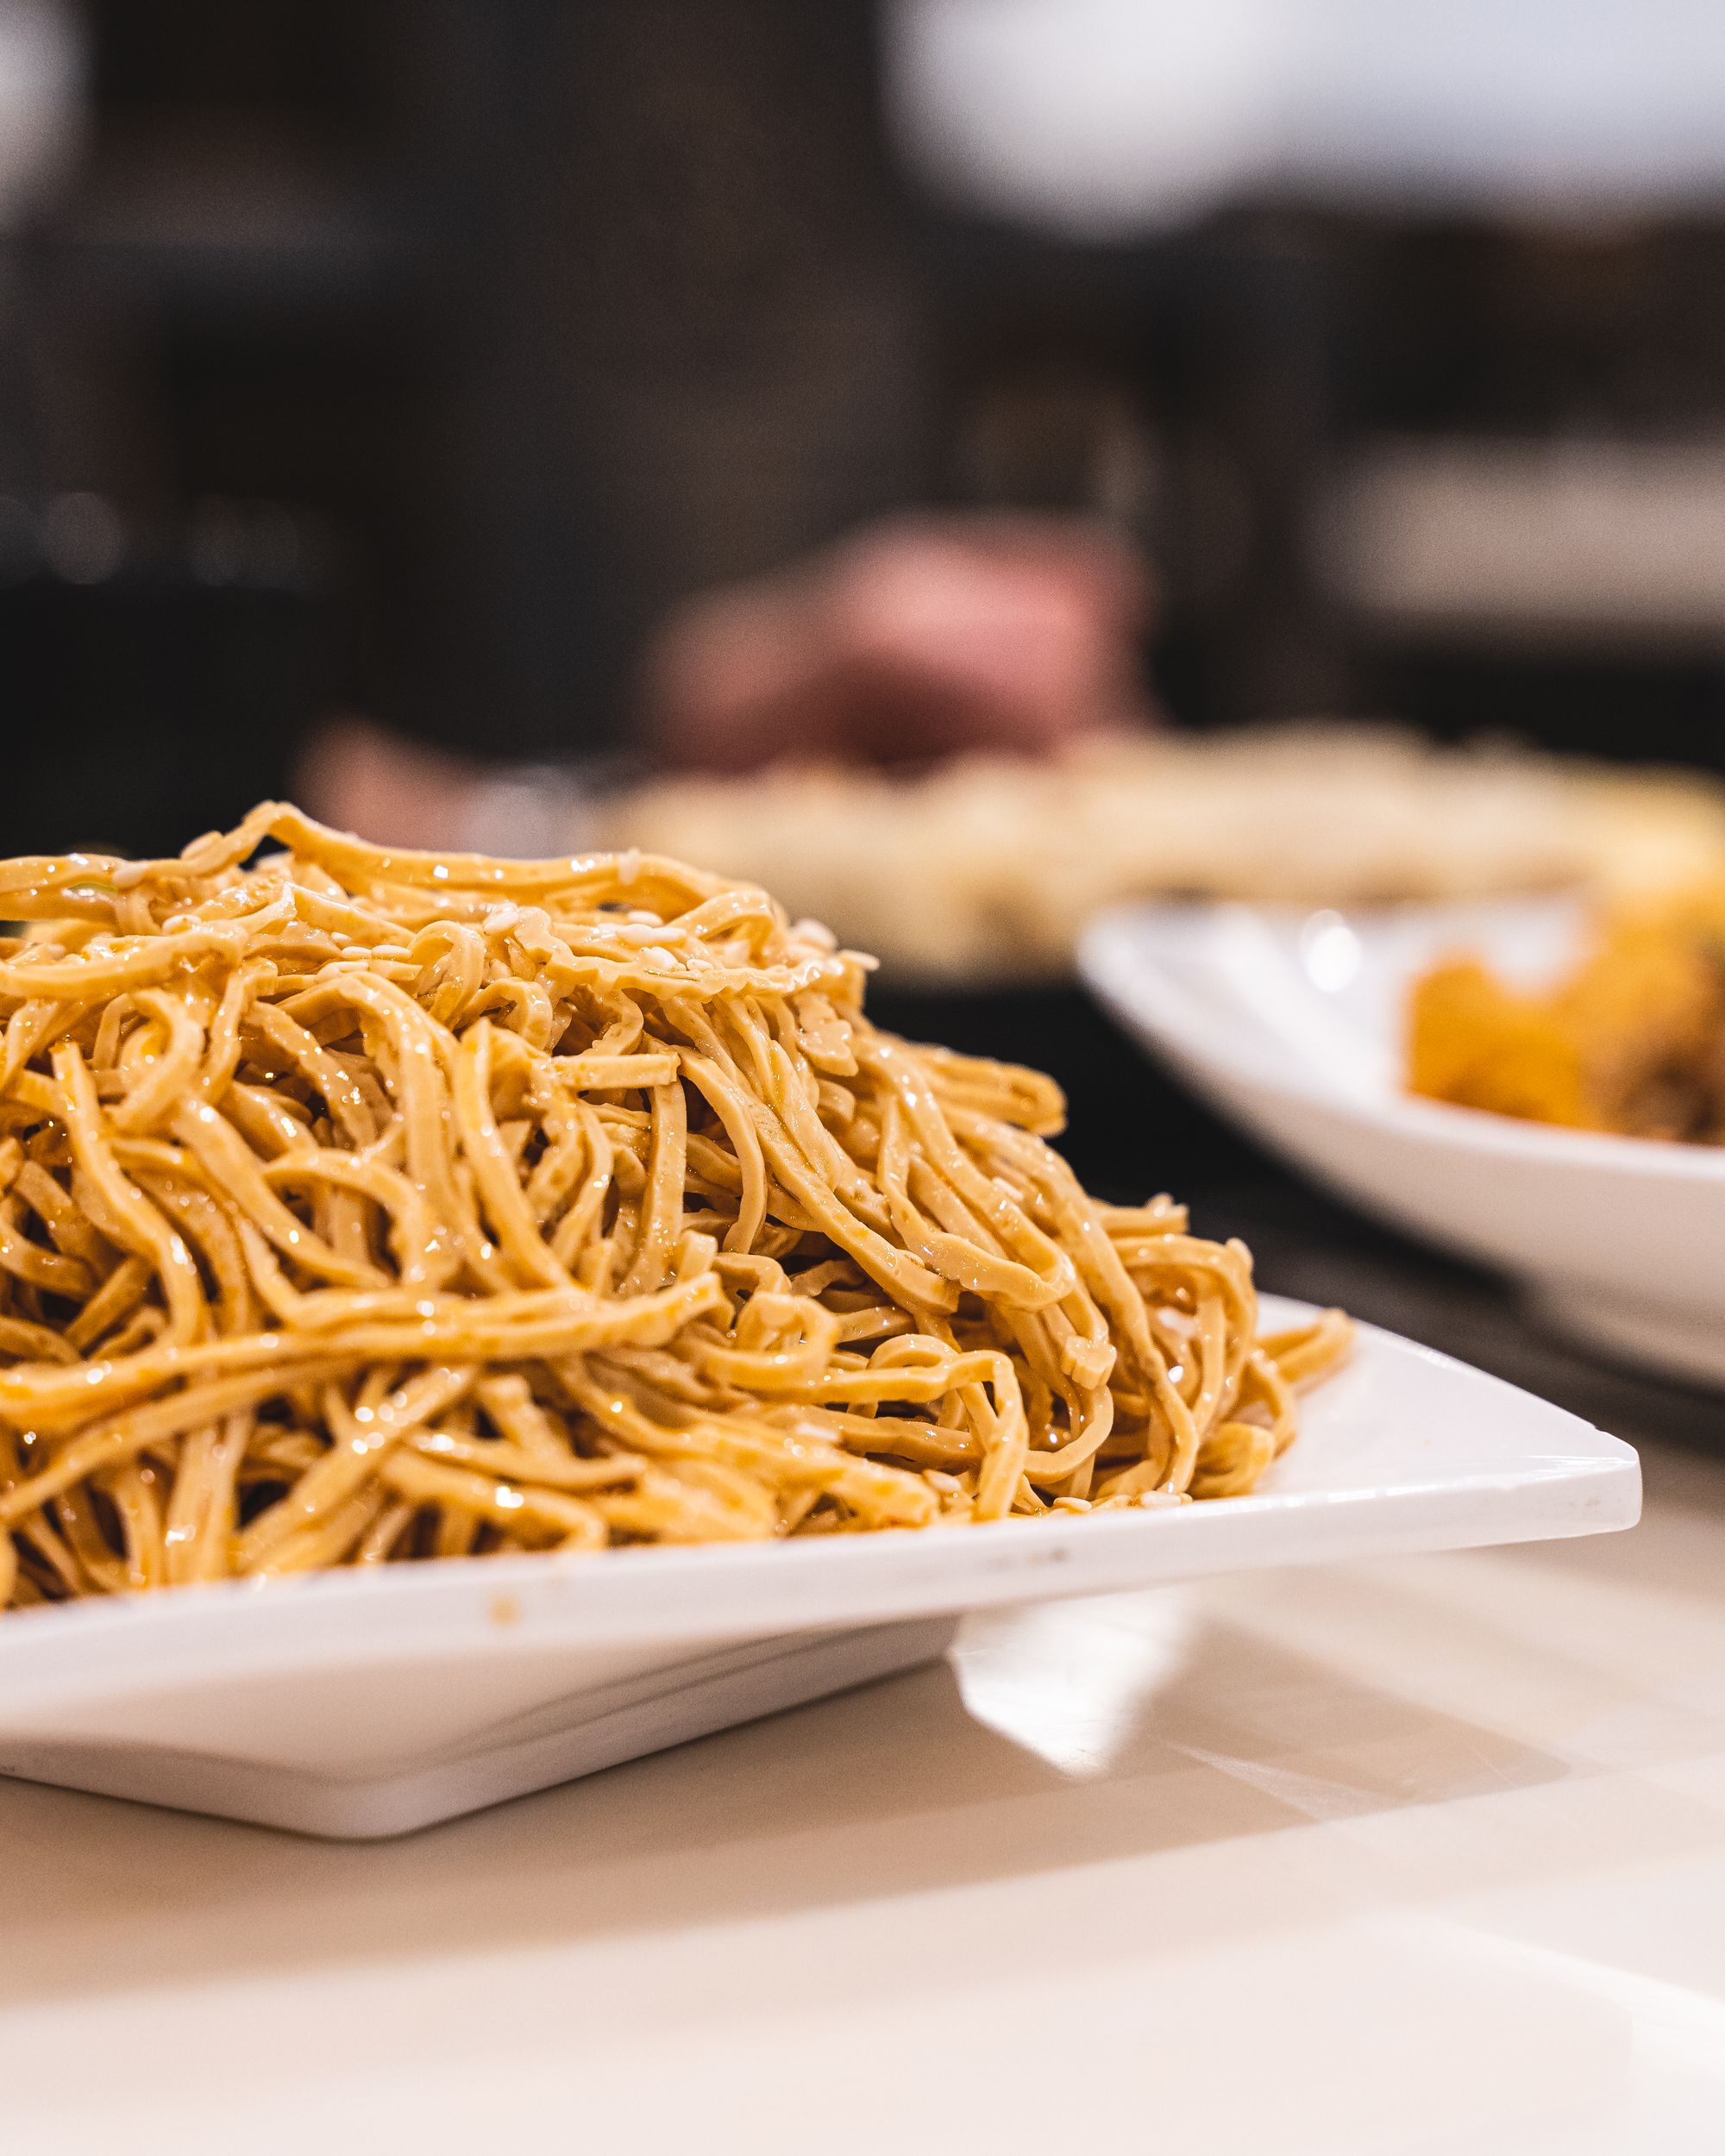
point(718, 337)
point(417, 404)
point(686, 445)
point(427, 404)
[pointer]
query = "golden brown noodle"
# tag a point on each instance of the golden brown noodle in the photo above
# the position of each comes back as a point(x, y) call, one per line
point(362, 1206)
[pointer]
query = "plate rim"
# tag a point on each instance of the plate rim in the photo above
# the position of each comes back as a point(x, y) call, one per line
point(1151, 1001)
point(411, 1612)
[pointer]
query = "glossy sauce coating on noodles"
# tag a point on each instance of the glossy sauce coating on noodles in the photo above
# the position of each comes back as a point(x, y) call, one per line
point(359, 1207)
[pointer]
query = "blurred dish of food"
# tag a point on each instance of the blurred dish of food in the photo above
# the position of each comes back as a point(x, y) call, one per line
point(1294, 1022)
point(987, 869)
point(1632, 1039)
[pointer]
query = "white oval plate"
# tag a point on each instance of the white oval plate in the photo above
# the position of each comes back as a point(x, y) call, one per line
point(359, 1704)
point(1292, 1022)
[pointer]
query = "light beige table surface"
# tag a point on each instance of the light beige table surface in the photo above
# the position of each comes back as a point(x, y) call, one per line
point(1422, 1856)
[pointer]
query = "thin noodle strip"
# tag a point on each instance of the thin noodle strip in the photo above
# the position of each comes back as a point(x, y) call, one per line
point(360, 1206)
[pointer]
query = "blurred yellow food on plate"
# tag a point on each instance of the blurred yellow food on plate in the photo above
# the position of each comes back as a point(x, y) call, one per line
point(1633, 1040)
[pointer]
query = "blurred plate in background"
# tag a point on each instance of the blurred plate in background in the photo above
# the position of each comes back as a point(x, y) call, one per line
point(1291, 1021)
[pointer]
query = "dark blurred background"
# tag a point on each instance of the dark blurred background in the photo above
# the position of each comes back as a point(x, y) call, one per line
point(421, 358)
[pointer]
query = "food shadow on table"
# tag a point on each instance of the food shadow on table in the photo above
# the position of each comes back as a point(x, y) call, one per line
point(1054, 1738)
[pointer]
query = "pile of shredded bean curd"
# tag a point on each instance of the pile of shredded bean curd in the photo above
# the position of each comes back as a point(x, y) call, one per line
point(359, 1207)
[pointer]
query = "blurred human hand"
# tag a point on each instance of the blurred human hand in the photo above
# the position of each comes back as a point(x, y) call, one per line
point(361, 777)
point(910, 641)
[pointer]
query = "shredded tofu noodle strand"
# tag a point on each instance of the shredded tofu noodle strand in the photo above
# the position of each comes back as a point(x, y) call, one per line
point(360, 1206)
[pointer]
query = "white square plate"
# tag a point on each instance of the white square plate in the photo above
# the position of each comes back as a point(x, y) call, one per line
point(368, 1703)
point(1293, 1022)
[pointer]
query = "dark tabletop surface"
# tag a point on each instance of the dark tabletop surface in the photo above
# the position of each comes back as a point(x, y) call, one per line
point(1133, 1130)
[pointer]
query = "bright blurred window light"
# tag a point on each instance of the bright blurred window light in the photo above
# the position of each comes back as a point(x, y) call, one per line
point(1100, 118)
